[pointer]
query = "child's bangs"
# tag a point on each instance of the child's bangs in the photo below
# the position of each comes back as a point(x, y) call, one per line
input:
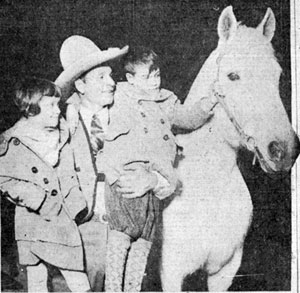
point(51, 90)
point(154, 67)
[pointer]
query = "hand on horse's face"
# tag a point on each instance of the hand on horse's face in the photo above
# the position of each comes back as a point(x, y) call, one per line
point(135, 181)
point(216, 88)
point(208, 103)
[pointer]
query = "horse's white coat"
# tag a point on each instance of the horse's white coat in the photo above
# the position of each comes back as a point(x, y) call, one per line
point(206, 224)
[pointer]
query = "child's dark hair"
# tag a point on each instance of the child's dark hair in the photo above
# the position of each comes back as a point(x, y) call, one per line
point(30, 91)
point(141, 55)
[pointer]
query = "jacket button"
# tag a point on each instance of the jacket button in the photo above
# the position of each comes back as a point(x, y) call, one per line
point(46, 181)
point(34, 169)
point(146, 130)
point(143, 114)
point(16, 141)
point(54, 192)
point(162, 121)
point(104, 218)
point(166, 137)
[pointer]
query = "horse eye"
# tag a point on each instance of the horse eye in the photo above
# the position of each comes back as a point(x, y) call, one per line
point(233, 76)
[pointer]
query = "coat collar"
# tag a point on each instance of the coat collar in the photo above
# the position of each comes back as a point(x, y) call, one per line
point(9, 134)
point(139, 95)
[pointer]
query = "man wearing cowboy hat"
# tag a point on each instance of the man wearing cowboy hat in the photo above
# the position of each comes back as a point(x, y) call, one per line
point(86, 71)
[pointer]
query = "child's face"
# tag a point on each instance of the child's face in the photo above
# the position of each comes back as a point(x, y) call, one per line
point(49, 114)
point(144, 79)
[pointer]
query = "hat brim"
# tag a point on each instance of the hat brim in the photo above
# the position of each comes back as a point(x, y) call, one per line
point(67, 78)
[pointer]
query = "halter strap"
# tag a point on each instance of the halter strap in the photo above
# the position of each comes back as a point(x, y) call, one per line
point(248, 141)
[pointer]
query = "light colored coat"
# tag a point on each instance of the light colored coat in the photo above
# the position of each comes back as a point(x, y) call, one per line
point(140, 129)
point(30, 182)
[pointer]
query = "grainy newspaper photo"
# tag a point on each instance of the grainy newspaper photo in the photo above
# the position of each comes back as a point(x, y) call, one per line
point(149, 145)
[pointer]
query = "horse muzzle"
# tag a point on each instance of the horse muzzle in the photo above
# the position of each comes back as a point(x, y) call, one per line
point(276, 151)
point(281, 156)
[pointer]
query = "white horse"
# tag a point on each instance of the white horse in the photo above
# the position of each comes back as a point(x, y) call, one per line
point(206, 224)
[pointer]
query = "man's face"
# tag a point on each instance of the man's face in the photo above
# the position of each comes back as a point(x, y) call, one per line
point(144, 79)
point(99, 87)
point(49, 114)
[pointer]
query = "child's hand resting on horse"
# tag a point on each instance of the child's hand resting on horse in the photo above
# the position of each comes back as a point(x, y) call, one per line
point(208, 103)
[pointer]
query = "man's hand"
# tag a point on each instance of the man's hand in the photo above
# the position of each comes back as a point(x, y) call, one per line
point(135, 181)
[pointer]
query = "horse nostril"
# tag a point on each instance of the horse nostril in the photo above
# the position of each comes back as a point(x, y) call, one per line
point(276, 151)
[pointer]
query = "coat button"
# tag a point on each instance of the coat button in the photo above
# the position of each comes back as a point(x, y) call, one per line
point(166, 137)
point(46, 181)
point(104, 218)
point(162, 121)
point(146, 129)
point(16, 141)
point(54, 192)
point(34, 169)
point(143, 114)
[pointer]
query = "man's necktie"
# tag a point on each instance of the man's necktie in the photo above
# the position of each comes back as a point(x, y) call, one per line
point(97, 134)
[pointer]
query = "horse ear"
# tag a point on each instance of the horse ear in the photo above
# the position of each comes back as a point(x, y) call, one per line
point(268, 25)
point(227, 24)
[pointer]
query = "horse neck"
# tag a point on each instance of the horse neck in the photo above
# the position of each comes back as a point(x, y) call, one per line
point(207, 145)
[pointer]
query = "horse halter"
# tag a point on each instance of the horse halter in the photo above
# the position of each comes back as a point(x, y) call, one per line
point(248, 141)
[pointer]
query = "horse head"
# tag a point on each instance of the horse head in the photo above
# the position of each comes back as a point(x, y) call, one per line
point(243, 74)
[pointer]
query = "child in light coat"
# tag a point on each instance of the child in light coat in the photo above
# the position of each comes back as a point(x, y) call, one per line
point(140, 133)
point(37, 174)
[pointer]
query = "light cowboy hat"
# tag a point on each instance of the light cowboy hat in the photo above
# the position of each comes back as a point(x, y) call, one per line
point(78, 55)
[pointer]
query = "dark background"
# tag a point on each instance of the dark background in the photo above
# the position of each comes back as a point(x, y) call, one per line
point(183, 33)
